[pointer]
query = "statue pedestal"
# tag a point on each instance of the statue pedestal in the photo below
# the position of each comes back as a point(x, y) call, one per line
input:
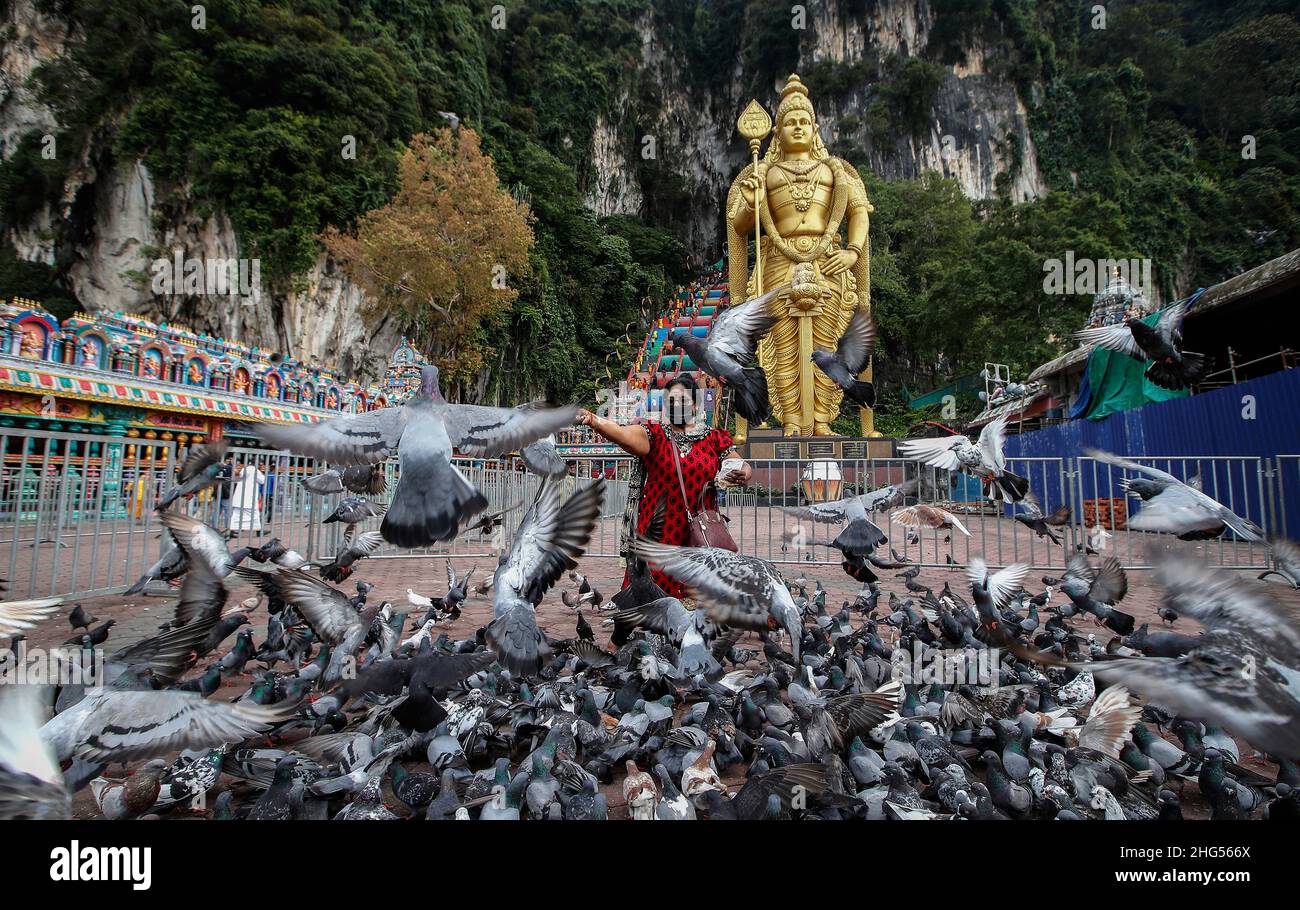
point(769, 444)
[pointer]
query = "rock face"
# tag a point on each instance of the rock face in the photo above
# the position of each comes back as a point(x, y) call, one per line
point(108, 231)
point(978, 125)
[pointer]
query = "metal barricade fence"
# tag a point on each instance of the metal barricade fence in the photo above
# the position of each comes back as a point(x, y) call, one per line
point(77, 510)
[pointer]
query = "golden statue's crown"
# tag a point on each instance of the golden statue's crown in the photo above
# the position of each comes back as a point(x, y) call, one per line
point(794, 96)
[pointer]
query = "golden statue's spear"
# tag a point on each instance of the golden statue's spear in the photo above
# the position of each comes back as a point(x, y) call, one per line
point(755, 124)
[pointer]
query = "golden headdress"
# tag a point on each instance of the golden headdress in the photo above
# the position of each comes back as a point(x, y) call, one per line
point(794, 97)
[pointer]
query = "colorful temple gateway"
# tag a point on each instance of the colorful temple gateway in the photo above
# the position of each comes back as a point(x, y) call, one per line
point(124, 375)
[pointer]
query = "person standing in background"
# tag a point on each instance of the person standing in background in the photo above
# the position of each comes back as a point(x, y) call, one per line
point(246, 500)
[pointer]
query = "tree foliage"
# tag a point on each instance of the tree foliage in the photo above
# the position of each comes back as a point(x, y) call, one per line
point(438, 254)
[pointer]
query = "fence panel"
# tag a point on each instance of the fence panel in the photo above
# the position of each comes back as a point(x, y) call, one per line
point(76, 510)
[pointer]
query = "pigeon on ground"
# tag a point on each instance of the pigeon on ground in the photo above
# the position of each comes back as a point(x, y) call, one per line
point(729, 352)
point(982, 459)
point(433, 499)
point(1170, 366)
point(203, 468)
point(1172, 507)
point(852, 354)
point(553, 534)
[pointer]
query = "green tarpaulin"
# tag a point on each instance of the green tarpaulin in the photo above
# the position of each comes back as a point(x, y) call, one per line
point(1118, 382)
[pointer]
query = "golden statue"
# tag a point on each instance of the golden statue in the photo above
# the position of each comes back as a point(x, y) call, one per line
point(804, 195)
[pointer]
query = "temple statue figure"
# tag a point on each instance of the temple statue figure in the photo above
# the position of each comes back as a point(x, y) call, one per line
point(803, 196)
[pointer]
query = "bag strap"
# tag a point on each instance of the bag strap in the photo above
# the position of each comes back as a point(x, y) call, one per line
point(681, 483)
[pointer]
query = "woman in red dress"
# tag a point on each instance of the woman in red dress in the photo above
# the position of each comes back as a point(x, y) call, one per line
point(654, 484)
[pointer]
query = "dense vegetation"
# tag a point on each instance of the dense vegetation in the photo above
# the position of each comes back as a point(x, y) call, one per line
point(1138, 128)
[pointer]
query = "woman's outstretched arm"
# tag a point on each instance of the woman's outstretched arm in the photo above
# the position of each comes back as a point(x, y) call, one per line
point(631, 438)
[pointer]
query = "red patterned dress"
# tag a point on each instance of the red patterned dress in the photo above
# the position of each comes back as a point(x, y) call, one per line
point(700, 465)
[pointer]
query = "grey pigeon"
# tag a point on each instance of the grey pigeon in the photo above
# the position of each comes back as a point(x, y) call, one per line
point(852, 354)
point(203, 468)
point(729, 352)
point(432, 498)
point(368, 479)
point(1173, 507)
point(982, 459)
point(553, 534)
point(740, 591)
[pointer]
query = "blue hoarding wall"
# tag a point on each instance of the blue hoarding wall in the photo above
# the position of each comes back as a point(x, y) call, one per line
point(1217, 435)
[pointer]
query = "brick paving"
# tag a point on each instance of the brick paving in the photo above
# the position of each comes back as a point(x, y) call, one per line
point(139, 617)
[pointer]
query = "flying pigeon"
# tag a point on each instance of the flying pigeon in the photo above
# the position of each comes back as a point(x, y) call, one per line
point(20, 615)
point(331, 615)
point(1171, 367)
point(927, 516)
point(553, 534)
point(1173, 507)
point(1030, 514)
point(365, 479)
point(355, 547)
point(112, 725)
point(432, 498)
point(198, 540)
point(172, 564)
point(354, 510)
point(852, 354)
point(1286, 563)
point(729, 352)
point(203, 468)
point(740, 591)
point(31, 781)
point(983, 459)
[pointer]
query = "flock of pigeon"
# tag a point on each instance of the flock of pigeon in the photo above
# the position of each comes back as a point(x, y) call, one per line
point(754, 699)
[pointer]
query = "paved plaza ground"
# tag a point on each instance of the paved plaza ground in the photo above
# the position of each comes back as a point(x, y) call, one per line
point(139, 617)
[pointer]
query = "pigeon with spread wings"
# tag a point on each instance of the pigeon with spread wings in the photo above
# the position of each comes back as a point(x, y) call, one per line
point(203, 468)
point(740, 591)
point(982, 459)
point(729, 351)
point(115, 725)
point(852, 354)
point(922, 515)
point(1171, 367)
point(432, 498)
point(553, 534)
point(1173, 507)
